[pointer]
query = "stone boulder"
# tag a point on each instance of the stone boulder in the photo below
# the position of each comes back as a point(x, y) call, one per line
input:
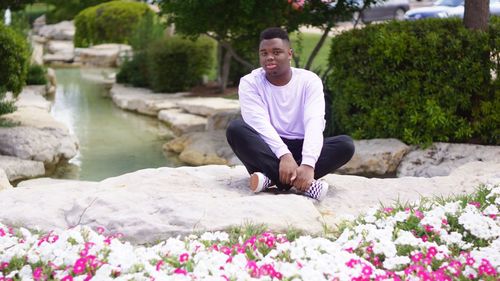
point(181, 122)
point(208, 106)
point(4, 181)
point(203, 148)
point(64, 30)
point(143, 100)
point(47, 145)
point(220, 120)
point(33, 97)
point(34, 117)
point(441, 158)
point(375, 157)
point(153, 204)
point(58, 58)
point(16, 168)
point(104, 55)
point(60, 47)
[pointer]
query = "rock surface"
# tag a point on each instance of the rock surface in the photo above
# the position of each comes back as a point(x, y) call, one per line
point(203, 148)
point(375, 157)
point(441, 158)
point(158, 203)
point(104, 55)
point(181, 122)
point(4, 181)
point(64, 30)
point(208, 106)
point(16, 168)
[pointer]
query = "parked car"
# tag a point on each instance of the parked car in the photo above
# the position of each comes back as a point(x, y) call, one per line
point(494, 10)
point(446, 9)
point(386, 10)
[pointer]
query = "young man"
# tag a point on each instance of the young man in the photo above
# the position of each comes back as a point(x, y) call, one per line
point(280, 139)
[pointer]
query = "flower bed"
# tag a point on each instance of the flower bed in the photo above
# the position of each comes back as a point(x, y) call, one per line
point(455, 239)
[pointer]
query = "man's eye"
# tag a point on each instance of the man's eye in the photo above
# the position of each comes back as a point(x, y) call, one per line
point(276, 53)
point(263, 54)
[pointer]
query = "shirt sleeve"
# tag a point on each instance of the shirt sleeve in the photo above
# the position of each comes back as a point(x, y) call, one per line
point(255, 114)
point(314, 122)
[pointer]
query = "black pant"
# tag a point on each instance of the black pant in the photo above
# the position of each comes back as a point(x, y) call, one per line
point(257, 156)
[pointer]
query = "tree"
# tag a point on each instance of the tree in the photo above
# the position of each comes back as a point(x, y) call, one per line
point(476, 14)
point(239, 22)
point(14, 4)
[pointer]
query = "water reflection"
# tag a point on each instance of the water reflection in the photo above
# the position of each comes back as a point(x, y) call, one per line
point(112, 141)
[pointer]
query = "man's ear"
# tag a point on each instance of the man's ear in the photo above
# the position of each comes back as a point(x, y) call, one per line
point(290, 53)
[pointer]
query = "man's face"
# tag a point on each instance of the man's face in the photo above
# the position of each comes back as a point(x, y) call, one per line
point(275, 55)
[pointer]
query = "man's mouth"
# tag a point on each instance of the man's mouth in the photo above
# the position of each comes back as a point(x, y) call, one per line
point(271, 66)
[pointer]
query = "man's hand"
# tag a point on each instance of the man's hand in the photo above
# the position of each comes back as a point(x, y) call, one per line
point(288, 168)
point(305, 176)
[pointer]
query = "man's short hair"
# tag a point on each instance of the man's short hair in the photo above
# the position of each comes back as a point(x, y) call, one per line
point(274, 32)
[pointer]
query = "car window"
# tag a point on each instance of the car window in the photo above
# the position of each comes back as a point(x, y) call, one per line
point(450, 3)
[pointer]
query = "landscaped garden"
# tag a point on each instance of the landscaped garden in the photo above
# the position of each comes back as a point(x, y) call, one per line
point(415, 84)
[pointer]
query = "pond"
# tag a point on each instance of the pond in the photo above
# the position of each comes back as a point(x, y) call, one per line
point(112, 141)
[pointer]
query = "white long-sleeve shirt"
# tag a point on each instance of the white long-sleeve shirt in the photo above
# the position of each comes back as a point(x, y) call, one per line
point(293, 111)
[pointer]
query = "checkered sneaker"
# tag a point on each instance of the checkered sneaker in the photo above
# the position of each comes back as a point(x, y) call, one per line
point(317, 190)
point(259, 182)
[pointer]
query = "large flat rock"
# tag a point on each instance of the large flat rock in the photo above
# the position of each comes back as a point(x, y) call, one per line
point(105, 55)
point(16, 168)
point(155, 204)
point(181, 122)
point(64, 30)
point(208, 106)
point(375, 157)
point(4, 181)
point(143, 100)
point(442, 158)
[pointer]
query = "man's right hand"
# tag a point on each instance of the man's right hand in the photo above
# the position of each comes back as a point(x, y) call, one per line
point(288, 169)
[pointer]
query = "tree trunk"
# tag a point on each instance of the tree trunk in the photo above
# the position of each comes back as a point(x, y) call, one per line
point(226, 67)
point(476, 14)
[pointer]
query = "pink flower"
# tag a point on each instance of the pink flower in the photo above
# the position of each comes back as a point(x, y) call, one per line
point(470, 261)
point(100, 230)
point(184, 257)
point(444, 221)
point(4, 265)
point(158, 265)
point(367, 270)
point(417, 257)
point(80, 266)
point(2, 232)
point(278, 275)
point(388, 210)
point(431, 252)
point(67, 278)
point(419, 214)
point(180, 271)
point(351, 263)
point(476, 204)
point(37, 273)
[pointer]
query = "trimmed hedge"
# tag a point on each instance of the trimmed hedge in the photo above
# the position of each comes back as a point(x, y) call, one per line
point(175, 64)
point(13, 60)
point(37, 75)
point(418, 81)
point(111, 22)
point(169, 64)
point(13, 65)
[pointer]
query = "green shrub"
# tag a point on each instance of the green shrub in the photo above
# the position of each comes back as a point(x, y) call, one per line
point(134, 71)
point(421, 81)
point(67, 10)
point(111, 22)
point(37, 75)
point(175, 64)
point(13, 65)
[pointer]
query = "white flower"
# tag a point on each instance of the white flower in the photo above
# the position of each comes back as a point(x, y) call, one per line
point(393, 263)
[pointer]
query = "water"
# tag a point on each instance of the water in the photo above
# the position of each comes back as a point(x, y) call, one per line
point(112, 141)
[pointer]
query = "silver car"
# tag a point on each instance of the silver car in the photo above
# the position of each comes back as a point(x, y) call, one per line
point(383, 10)
point(446, 9)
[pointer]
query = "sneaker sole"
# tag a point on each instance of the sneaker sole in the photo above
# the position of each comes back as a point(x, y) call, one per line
point(254, 183)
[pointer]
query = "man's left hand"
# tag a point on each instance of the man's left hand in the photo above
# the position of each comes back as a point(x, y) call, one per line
point(305, 176)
